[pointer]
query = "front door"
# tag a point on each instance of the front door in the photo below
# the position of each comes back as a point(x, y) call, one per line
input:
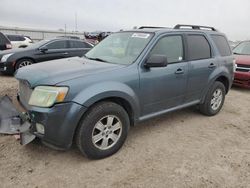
point(164, 88)
point(55, 50)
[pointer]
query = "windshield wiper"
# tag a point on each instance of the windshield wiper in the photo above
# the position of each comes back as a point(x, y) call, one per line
point(237, 53)
point(96, 59)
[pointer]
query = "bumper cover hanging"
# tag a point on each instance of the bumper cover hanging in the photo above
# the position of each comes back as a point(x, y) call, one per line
point(14, 122)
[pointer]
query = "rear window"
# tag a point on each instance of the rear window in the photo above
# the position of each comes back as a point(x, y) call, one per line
point(3, 39)
point(198, 47)
point(222, 45)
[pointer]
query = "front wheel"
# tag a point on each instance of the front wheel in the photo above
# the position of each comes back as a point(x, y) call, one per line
point(103, 130)
point(214, 99)
point(23, 63)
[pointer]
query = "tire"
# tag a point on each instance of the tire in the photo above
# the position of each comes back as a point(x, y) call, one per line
point(103, 130)
point(23, 62)
point(214, 99)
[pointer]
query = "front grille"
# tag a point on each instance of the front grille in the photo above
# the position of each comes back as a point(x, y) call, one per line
point(24, 92)
point(243, 68)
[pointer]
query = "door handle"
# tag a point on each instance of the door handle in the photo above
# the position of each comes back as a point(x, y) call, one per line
point(212, 65)
point(179, 71)
point(65, 53)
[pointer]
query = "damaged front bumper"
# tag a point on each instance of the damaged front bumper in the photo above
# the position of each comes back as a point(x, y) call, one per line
point(57, 124)
point(13, 122)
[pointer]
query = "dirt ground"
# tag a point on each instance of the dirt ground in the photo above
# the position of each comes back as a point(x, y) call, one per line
point(180, 149)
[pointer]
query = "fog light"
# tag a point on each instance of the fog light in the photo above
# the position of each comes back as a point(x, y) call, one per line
point(40, 128)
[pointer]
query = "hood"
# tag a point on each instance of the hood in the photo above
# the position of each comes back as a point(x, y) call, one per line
point(54, 72)
point(242, 59)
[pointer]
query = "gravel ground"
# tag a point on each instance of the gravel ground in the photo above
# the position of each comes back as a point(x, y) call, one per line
point(180, 149)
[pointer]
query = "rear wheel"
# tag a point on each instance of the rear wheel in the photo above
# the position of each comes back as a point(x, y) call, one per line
point(103, 130)
point(214, 99)
point(23, 63)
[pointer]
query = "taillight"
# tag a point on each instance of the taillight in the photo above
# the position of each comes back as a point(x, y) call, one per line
point(8, 46)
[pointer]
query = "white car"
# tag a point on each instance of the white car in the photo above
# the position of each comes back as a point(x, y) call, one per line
point(19, 41)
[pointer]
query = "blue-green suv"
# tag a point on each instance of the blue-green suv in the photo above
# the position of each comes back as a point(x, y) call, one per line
point(129, 77)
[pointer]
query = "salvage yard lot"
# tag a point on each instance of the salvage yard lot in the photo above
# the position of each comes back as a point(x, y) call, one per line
point(180, 149)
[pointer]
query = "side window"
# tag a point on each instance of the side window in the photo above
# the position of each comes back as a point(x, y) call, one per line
point(171, 46)
point(57, 45)
point(12, 37)
point(78, 44)
point(21, 38)
point(222, 45)
point(198, 47)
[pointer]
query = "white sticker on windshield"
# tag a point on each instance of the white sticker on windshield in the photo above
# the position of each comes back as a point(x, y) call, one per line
point(141, 35)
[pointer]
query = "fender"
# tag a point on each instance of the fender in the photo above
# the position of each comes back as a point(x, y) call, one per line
point(108, 89)
point(220, 71)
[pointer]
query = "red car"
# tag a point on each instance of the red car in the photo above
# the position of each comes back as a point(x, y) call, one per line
point(242, 55)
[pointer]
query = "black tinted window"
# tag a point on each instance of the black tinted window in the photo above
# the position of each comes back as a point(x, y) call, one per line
point(57, 45)
point(198, 47)
point(78, 44)
point(222, 45)
point(3, 39)
point(15, 38)
point(171, 46)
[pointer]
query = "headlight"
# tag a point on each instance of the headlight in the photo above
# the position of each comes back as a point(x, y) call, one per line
point(235, 65)
point(46, 96)
point(5, 57)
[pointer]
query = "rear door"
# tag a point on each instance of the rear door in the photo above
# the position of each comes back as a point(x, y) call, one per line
point(201, 65)
point(78, 48)
point(55, 50)
point(164, 88)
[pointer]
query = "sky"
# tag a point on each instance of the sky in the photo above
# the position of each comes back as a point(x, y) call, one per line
point(231, 17)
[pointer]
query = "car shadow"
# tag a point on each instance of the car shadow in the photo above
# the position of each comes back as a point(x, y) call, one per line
point(5, 75)
point(241, 89)
point(37, 149)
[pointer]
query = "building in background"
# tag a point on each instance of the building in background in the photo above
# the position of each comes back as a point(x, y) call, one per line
point(37, 35)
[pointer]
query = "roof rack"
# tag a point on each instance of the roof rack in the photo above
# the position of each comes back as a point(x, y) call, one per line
point(198, 27)
point(151, 27)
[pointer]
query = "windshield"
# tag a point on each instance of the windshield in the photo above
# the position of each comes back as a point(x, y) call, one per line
point(242, 49)
point(120, 48)
point(38, 44)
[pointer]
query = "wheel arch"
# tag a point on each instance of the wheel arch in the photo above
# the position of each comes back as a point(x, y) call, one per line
point(118, 100)
point(223, 78)
point(22, 58)
point(225, 81)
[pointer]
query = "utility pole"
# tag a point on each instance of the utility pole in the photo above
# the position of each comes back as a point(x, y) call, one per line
point(75, 22)
point(65, 27)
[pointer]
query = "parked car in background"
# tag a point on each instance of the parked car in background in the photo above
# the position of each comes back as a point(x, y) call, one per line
point(93, 35)
point(45, 50)
point(69, 37)
point(4, 42)
point(93, 41)
point(242, 55)
point(103, 35)
point(19, 41)
point(127, 78)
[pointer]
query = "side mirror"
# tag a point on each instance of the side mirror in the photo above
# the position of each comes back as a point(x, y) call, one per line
point(43, 49)
point(157, 61)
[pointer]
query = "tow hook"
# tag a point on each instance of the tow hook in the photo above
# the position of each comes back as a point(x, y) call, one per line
point(13, 122)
